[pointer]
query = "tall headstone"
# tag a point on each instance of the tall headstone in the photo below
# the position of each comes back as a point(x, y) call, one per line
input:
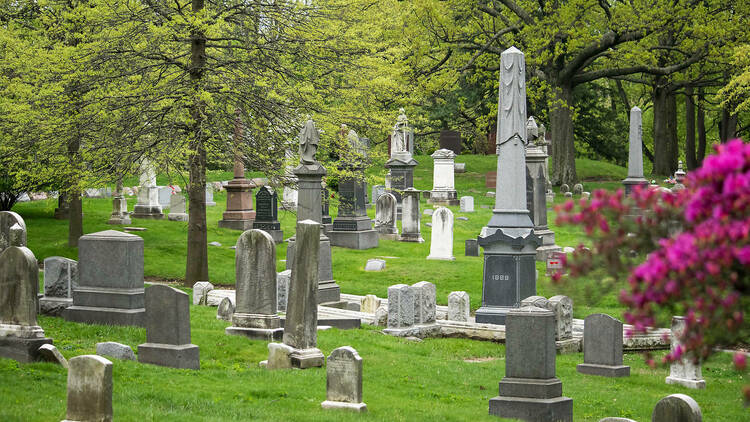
point(110, 284)
point(685, 371)
point(60, 277)
point(256, 296)
point(400, 306)
point(441, 242)
point(536, 191)
point(20, 335)
point(309, 175)
point(62, 212)
point(411, 230)
point(635, 152)
point(267, 213)
point(168, 330)
point(508, 239)
point(443, 185)
point(290, 193)
point(424, 302)
point(12, 230)
point(119, 207)
point(531, 390)
point(677, 408)
point(239, 214)
point(148, 206)
point(401, 163)
point(282, 289)
point(459, 306)
point(385, 216)
point(177, 207)
point(602, 347)
point(344, 380)
point(352, 228)
point(89, 389)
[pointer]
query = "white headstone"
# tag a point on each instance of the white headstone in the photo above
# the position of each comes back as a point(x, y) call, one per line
point(441, 244)
point(467, 204)
point(458, 306)
point(685, 371)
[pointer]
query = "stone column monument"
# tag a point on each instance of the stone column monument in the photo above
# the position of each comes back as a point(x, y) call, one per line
point(239, 214)
point(148, 206)
point(401, 164)
point(536, 191)
point(635, 152)
point(508, 240)
point(309, 175)
point(443, 185)
point(119, 207)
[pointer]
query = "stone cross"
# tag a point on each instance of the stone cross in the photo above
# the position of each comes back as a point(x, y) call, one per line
point(602, 347)
point(400, 306)
point(385, 215)
point(344, 380)
point(168, 329)
point(684, 372)
point(441, 242)
point(256, 296)
point(89, 389)
point(459, 306)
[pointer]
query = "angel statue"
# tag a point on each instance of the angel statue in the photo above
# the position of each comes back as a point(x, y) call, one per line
point(398, 138)
point(308, 143)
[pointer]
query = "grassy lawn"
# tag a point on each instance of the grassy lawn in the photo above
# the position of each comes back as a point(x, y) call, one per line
point(403, 380)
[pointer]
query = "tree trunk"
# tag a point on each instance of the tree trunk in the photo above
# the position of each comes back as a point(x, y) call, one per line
point(563, 157)
point(690, 159)
point(727, 125)
point(196, 268)
point(701, 123)
point(665, 130)
point(75, 214)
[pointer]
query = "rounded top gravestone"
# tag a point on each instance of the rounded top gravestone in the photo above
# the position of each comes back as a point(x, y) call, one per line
point(677, 408)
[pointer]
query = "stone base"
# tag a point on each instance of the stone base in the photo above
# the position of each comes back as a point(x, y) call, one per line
point(442, 258)
point(54, 306)
point(360, 240)
point(22, 350)
point(694, 384)
point(420, 331)
point(544, 252)
point(177, 216)
point(411, 237)
point(328, 291)
point(492, 314)
point(119, 220)
point(185, 356)
point(388, 236)
point(569, 345)
point(106, 316)
point(356, 407)
point(266, 334)
point(603, 370)
point(558, 409)
point(307, 358)
point(276, 235)
point(242, 225)
point(147, 212)
point(340, 323)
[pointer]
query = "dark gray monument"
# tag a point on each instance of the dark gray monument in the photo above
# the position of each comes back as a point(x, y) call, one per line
point(471, 247)
point(267, 213)
point(110, 284)
point(168, 330)
point(401, 163)
point(20, 335)
point(508, 240)
point(89, 389)
point(536, 191)
point(635, 152)
point(602, 347)
point(62, 212)
point(450, 139)
point(530, 390)
point(344, 380)
point(255, 304)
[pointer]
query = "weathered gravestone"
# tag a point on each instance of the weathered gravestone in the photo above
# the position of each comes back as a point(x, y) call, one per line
point(459, 306)
point(225, 310)
point(441, 243)
point(370, 304)
point(60, 277)
point(677, 408)
point(562, 306)
point(115, 350)
point(377, 190)
point(530, 390)
point(385, 216)
point(602, 347)
point(110, 284)
point(410, 228)
point(148, 206)
point(20, 335)
point(685, 371)
point(375, 265)
point(12, 230)
point(467, 204)
point(49, 353)
point(200, 292)
point(267, 213)
point(344, 380)
point(168, 330)
point(443, 185)
point(210, 196)
point(412, 310)
point(282, 289)
point(400, 306)
point(89, 389)
point(424, 302)
point(119, 210)
point(177, 207)
point(555, 262)
point(471, 248)
point(255, 309)
point(577, 189)
point(564, 188)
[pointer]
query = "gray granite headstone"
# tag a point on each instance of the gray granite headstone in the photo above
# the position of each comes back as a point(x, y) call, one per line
point(562, 306)
point(635, 152)
point(375, 265)
point(344, 380)
point(282, 289)
point(400, 306)
point(385, 215)
point(177, 207)
point(60, 276)
point(168, 330)
point(89, 389)
point(685, 371)
point(602, 347)
point(677, 408)
point(115, 350)
point(49, 353)
point(8, 237)
point(225, 310)
point(410, 217)
point(471, 247)
point(459, 306)
point(424, 302)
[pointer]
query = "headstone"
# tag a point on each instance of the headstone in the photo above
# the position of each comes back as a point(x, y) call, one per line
point(443, 184)
point(119, 214)
point(459, 167)
point(255, 304)
point(459, 306)
point(375, 265)
point(62, 212)
point(225, 310)
point(165, 193)
point(586, 195)
point(677, 408)
point(279, 356)
point(325, 203)
point(451, 140)
point(60, 277)
point(441, 243)
point(282, 289)
point(177, 207)
point(508, 239)
point(530, 390)
point(685, 371)
point(200, 291)
point(568, 194)
point(400, 306)
point(344, 380)
point(377, 190)
point(370, 304)
point(467, 204)
point(12, 230)
point(471, 248)
point(20, 335)
point(381, 316)
point(385, 216)
point(411, 230)
point(536, 191)
point(210, 196)
point(89, 389)
point(49, 353)
point(562, 306)
point(635, 152)
point(110, 280)
point(679, 178)
point(602, 347)
point(115, 350)
point(267, 214)
point(148, 206)
point(577, 189)
point(564, 188)
point(424, 302)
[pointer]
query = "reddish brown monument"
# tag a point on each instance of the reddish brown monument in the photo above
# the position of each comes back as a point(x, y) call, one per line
point(239, 214)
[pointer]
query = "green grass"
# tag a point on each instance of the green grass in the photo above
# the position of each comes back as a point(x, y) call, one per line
point(403, 380)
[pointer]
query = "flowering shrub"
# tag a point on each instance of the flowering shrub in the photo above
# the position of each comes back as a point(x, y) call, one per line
point(684, 253)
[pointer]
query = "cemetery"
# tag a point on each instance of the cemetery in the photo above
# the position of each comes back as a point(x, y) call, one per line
point(247, 248)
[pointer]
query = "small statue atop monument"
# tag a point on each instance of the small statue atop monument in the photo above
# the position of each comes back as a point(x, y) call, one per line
point(511, 121)
point(398, 137)
point(532, 130)
point(308, 143)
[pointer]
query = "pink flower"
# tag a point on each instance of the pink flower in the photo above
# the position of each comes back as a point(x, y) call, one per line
point(740, 361)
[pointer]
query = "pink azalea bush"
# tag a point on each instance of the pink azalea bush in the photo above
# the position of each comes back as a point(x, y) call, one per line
point(684, 253)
